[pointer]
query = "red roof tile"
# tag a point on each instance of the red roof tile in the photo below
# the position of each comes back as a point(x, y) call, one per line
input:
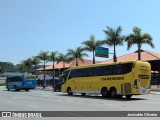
point(56, 66)
point(145, 56)
point(81, 63)
point(68, 65)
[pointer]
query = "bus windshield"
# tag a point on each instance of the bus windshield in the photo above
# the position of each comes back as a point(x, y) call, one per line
point(29, 77)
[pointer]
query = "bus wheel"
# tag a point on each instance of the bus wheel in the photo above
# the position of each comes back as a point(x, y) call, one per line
point(8, 88)
point(104, 92)
point(128, 96)
point(26, 89)
point(113, 92)
point(83, 94)
point(69, 91)
point(119, 96)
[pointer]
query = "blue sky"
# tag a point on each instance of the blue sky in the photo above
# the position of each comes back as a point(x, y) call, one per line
point(29, 26)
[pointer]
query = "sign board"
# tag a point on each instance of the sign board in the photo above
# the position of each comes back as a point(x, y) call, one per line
point(102, 52)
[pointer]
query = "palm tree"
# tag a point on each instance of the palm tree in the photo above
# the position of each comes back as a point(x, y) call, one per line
point(43, 55)
point(53, 58)
point(62, 58)
point(35, 62)
point(76, 54)
point(90, 45)
point(27, 64)
point(137, 38)
point(114, 38)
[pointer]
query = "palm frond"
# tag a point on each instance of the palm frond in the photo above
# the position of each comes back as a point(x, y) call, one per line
point(138, 38)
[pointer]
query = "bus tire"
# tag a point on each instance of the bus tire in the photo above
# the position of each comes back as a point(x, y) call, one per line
point(8, 88)
point(119, 96)
point(113, 92)
point(104, 92)
point(128, 96)
point(26, 89)
point(69, 91)
point(83, 94)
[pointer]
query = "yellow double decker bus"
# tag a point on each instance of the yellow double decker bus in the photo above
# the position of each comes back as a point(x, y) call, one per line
point(110, 80)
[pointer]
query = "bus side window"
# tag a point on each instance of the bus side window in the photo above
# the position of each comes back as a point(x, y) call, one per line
point(79, 73)
point(105, 70)
point(87, 72)
point(118, 69)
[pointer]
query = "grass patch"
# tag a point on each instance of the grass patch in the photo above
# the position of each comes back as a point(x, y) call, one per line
point(2, 84)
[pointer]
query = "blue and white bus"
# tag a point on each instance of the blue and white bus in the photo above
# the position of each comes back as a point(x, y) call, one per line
point(21, 82)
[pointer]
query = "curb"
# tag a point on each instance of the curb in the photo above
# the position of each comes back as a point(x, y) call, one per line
point(155, 92)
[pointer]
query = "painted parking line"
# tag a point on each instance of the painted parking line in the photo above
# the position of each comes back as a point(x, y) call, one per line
point(10, 102)
point(33, 106)
point(113, 105)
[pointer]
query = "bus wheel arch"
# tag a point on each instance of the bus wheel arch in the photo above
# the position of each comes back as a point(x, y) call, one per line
point(104, 92)
point(69, 91)
point(113, 92)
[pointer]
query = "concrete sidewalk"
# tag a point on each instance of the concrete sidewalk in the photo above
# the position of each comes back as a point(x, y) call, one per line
point(2, 87)
point(155, 88)
point(155, 92)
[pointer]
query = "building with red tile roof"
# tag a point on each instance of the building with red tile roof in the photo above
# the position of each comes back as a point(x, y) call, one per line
point(68, 65)
point(56, 66)
point(145, 56)
point(151, 57)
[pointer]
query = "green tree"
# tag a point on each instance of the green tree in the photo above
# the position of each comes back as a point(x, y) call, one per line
point(27, 64)
point(53, 58)
point(2, 69)
point(20, 67)
point(137, 38)
point(90, 45)
point(114, 38)
point(76, 54)
point(43, 55)
point(35, 62)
